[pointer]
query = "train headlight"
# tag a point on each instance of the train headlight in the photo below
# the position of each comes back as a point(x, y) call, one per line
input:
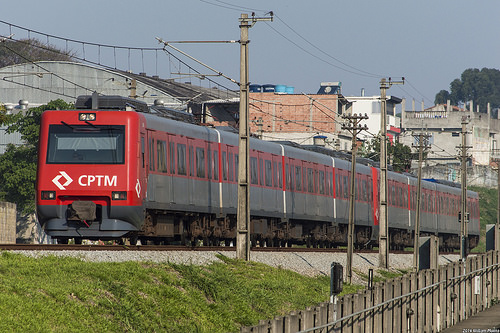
point(119, 195)
point(48, 195)
point(86, 116)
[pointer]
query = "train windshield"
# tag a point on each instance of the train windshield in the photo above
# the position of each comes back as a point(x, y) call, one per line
point(86, 144)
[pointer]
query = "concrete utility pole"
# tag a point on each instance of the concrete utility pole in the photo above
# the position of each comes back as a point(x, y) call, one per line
point(463, 212)
point(354, 128)
point(422, 145)
point(243, 210)
point(383, 223)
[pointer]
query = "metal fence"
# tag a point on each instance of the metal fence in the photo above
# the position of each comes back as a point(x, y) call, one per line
point(427, 301)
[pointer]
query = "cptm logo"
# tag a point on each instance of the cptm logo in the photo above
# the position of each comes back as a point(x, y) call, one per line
point(58, 177)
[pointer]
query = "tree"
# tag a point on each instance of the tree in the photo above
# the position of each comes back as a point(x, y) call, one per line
point(399, 155)
point(18, 163)
point(442, 97)
point(480, 86)
point(26, 50)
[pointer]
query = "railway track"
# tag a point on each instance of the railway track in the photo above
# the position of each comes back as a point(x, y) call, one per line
point(73, 247)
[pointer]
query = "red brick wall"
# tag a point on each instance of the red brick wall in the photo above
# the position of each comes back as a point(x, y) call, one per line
point(293, 112)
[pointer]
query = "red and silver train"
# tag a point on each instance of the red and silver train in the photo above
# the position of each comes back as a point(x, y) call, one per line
point(107, 173)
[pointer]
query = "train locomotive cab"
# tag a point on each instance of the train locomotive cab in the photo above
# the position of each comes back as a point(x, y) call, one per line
point(90, 182)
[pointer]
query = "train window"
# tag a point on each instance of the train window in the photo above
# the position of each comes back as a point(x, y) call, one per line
point(337, 185)
point(287, 175)
point(304, 181)
point(393, 195)
point(86, 144)
point(191, 161)
point(345, 186)
point(310, 180)
point(261, 171)
point(236, 170)
point(224, 165)
point(328, 183)
point(254, 168)
point(200, 162)
point(298, 180)
point(363, 190)
point(356, 189)
point(316, 181)
point(280, 181)
point(230, 166)
point(321, 182)
point(369, 190)
point(181, 159)
point(290, 177)
point(269, 173)
point(161, 147)
point(151, 154)
point(172, 158)
point(209, 164)
point(404, 191)
point(216, 165)
point(275, 174)
point(142, 152)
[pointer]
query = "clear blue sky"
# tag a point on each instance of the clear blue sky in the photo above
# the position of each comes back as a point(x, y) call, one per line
point(356, 42)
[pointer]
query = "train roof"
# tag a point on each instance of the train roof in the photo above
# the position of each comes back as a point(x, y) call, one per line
point(122, 103)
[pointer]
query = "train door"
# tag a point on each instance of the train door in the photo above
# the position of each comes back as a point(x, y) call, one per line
point(171, 169)
point(150, 165)
point(141, 186)
point(192, 171)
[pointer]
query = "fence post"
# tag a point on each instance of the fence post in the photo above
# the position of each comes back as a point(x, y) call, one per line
point(468, 288)
point(398, 306)
point(484, 284)
point(378, 325)
point(307, 317)
point(277, 324)
point(443, 302)
point(406, 305)
point(370, 327)
point(348, 307)
point(388, 322)
point(420, 301)
point(357, 305)
point(414, 302)
point(292, 322)
point(496, 276)
point(434, 292)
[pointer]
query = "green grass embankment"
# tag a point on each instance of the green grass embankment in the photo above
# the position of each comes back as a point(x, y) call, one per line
point(54, 294)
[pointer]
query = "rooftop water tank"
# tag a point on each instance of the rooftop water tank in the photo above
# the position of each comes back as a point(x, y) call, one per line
point(268, 87)
point(255, 88)
point(280, 88)
point(289, 90)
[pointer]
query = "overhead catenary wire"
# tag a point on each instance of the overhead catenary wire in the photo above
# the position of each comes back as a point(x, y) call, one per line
point(99, 46)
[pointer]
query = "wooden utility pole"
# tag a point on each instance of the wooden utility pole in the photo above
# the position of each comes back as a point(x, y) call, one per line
point(354, 128)
point(383, 223)
point(422, 145)
point(463, 211)
point(243, 210)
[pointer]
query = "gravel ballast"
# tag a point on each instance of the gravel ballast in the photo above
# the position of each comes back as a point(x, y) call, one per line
point(305, 263)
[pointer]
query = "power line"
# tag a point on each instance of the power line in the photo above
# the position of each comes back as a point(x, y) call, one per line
point(85, 59)
point(230, 6)
point(41, 67)
point(325, 53)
